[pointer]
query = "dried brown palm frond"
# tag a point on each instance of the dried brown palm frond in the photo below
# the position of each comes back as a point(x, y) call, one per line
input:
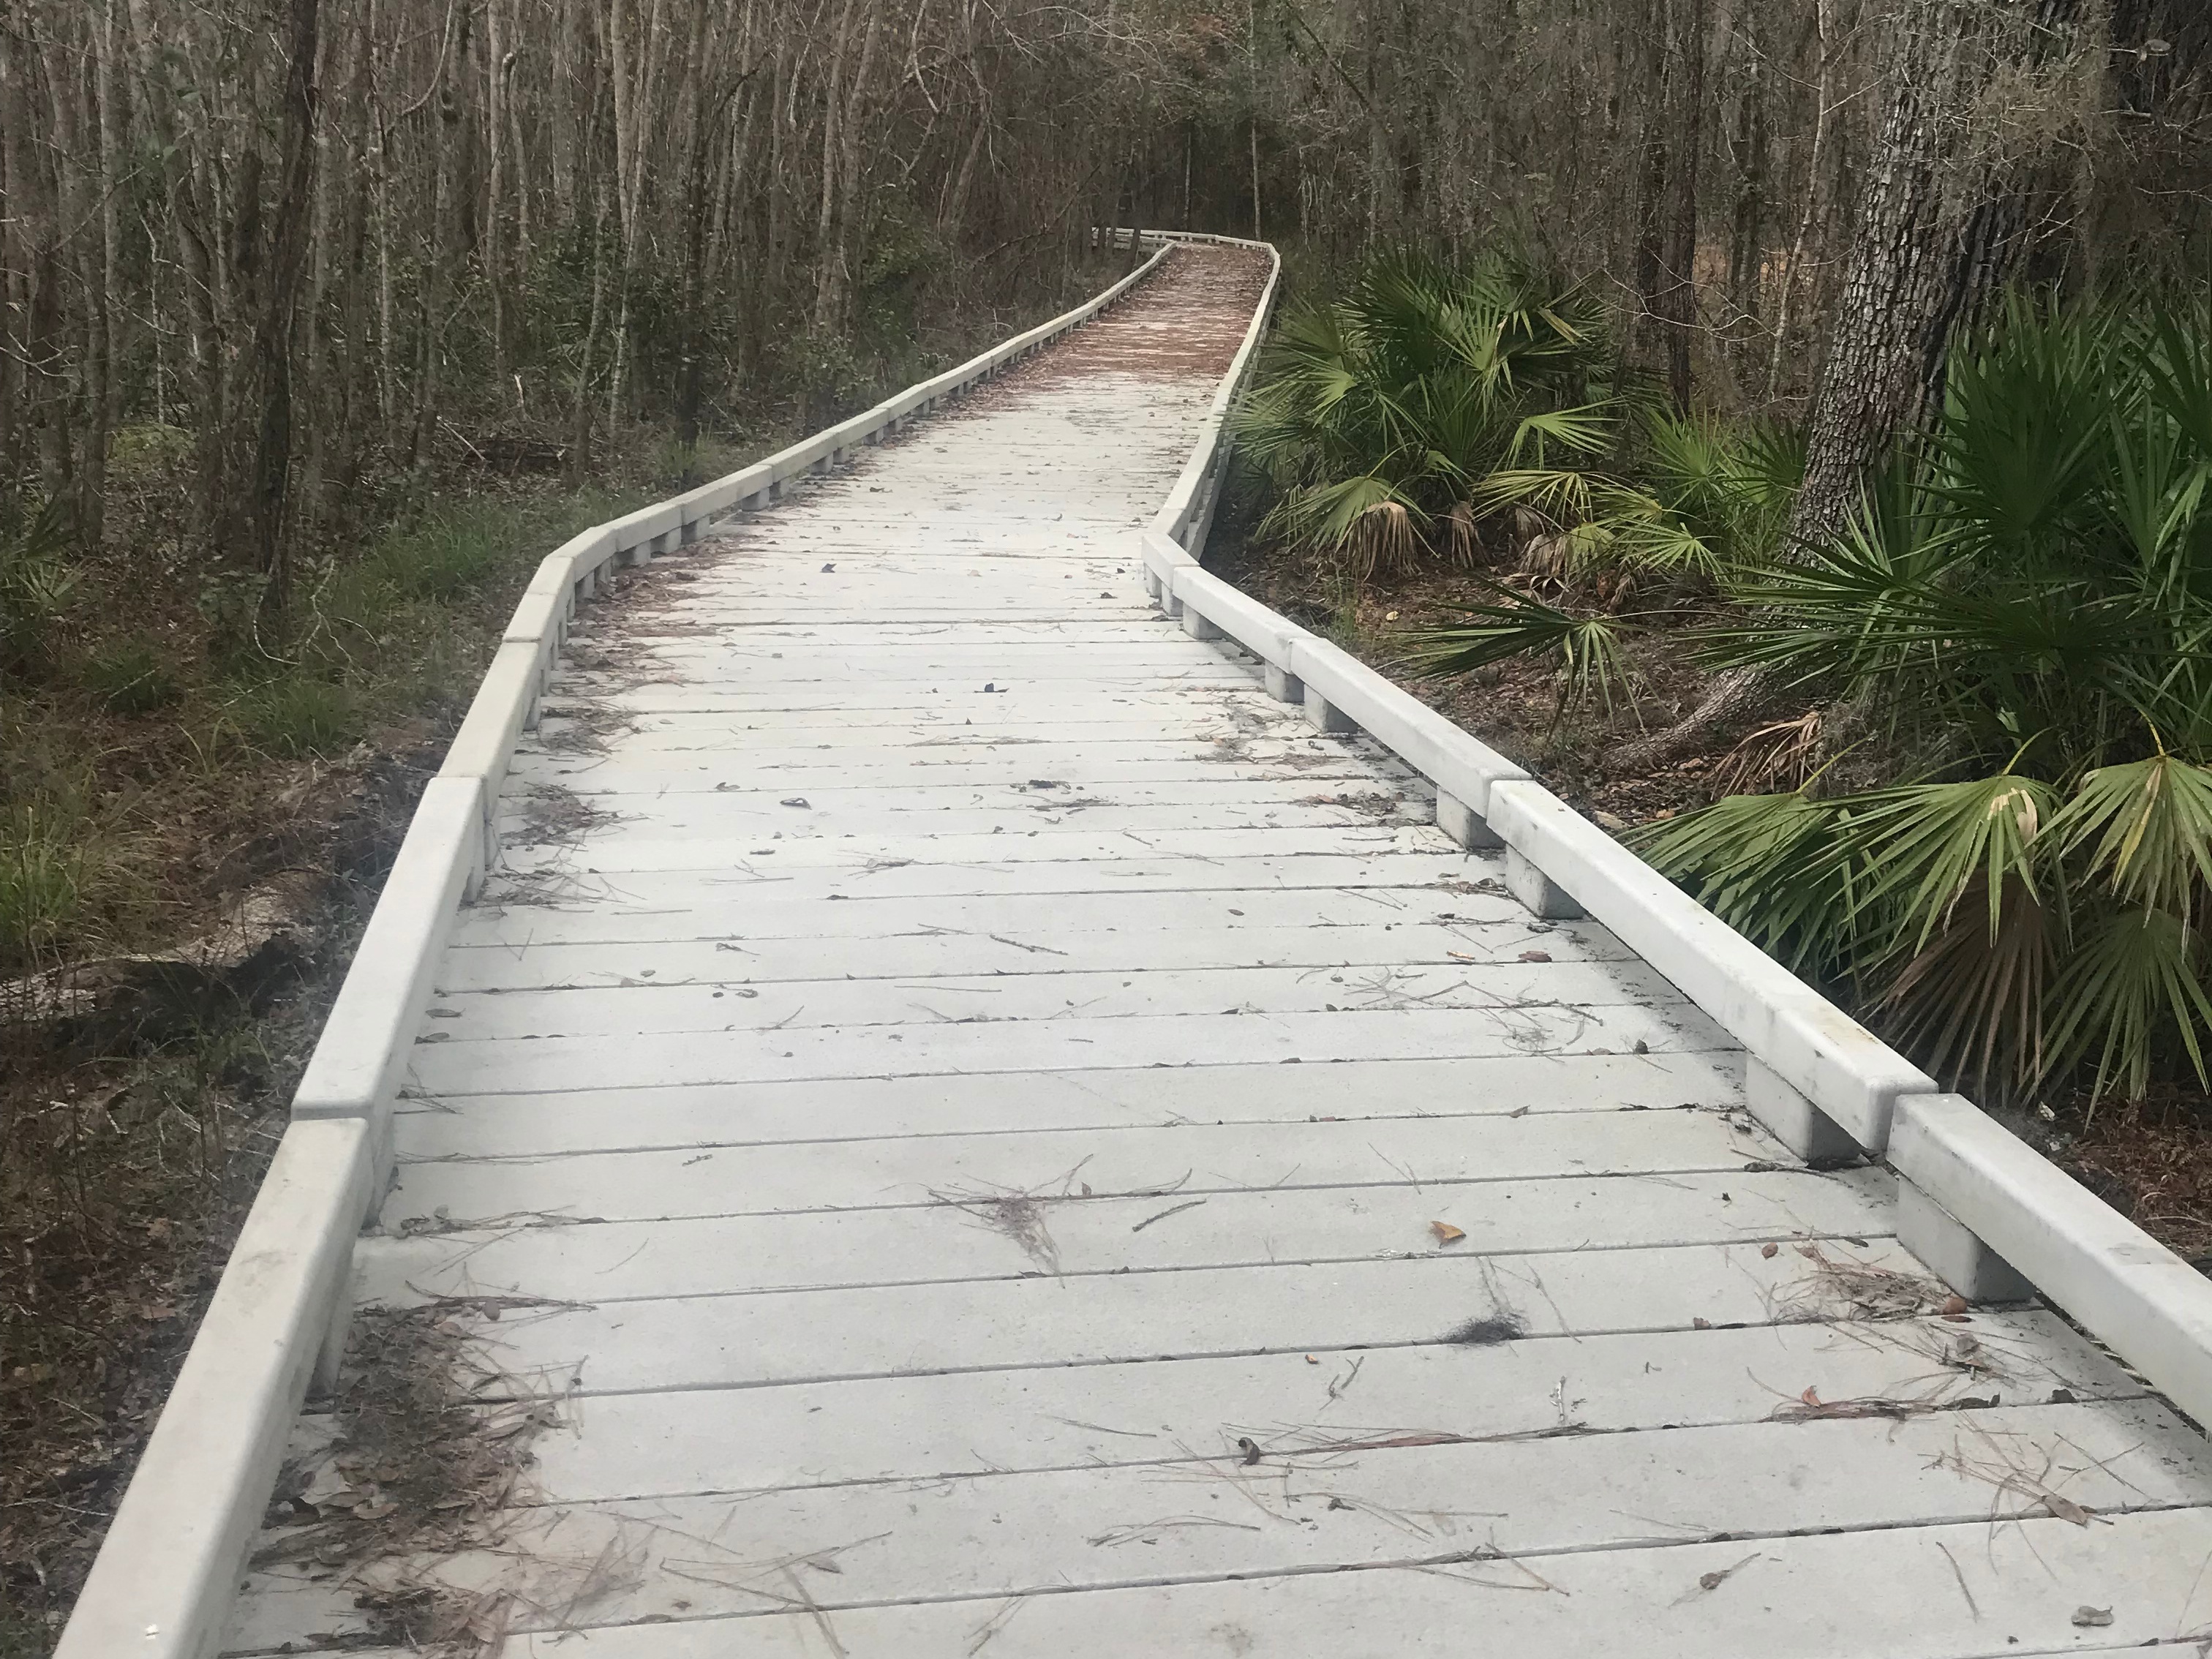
point(1383, 539)
point(1462, 539)
point(1550, 557)
point(1777, 756)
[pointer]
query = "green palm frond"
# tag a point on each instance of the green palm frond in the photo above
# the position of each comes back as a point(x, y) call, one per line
point(1925, 848)
point(1586, 429)
point(1973, 1000)
point(1424, 376)
point(1331, 513)
point(1587, 648)
point(1767, 866)
point(2130, 981)
point(1560, 494)
point(2147, 829)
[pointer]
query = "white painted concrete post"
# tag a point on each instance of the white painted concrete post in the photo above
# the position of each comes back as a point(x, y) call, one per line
point(1173, 607)
point(1325, 715)
point(323, 1383)
point(1464, 825)
point(1197, 626)
point(1953, 1252)
point(1283, 685)
point(1537, 891)
point(1793, 1121)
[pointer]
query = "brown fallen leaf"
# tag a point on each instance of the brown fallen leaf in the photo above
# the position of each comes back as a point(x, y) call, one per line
point(2089, 1618)
point(1446, 1233)
point(1701, 1324)
point(2065, 1508)
point(1535, 956)
point(1713, 1581)
point(1952, 1304)
point(1770, 1250)
point(1811, 1397)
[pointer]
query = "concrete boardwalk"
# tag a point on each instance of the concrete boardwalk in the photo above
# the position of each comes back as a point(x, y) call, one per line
point(1019, 1146)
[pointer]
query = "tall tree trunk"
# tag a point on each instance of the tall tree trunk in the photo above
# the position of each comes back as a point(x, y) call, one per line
point(1747, 224)
point(1674, 128)
point(697, 129)
point(34, 216)
point(1936, 235)
point(1936, 230)
point(494, 251)
point(274, 340)
point(1814, 157)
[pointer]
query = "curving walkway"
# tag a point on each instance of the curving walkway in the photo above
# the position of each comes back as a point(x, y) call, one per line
point(1004, 1141)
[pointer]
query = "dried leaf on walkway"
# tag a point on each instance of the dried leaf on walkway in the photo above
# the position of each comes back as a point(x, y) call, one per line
point(1446, 1233)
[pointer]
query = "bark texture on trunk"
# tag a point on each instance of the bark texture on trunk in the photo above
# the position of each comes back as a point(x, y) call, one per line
point(1939, 227)
point(1940, 222)
point(287, 264)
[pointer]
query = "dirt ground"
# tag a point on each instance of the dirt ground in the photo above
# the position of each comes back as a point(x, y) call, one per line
point(135, 1138)
point(2149, 1159)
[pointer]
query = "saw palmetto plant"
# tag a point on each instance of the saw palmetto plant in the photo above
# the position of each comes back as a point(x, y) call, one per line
point(2023, 617)
point(1708, 501)
point(1385, 417)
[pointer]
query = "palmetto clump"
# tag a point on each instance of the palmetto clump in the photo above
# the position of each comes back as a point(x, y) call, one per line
point(1388, 417)
point(2022, 615)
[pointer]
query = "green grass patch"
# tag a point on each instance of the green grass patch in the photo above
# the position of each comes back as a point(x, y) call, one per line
point(129, 677)
point(44, 880)
point(296, 714)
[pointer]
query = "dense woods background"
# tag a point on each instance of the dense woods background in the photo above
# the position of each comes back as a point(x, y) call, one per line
point(320, 322)
point(322, 248)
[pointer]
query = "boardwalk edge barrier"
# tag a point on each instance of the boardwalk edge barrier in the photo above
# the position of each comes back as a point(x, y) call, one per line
point(168, 1571)
point(1993, 1217)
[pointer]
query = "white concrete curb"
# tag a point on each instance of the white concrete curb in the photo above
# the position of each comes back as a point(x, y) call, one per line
point(361, 1056)
point(169, 1568)
point(1838, 1064)
point(1988, 1214)
point(2152, 1307)
point(505, 706)
point(166, 1573)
